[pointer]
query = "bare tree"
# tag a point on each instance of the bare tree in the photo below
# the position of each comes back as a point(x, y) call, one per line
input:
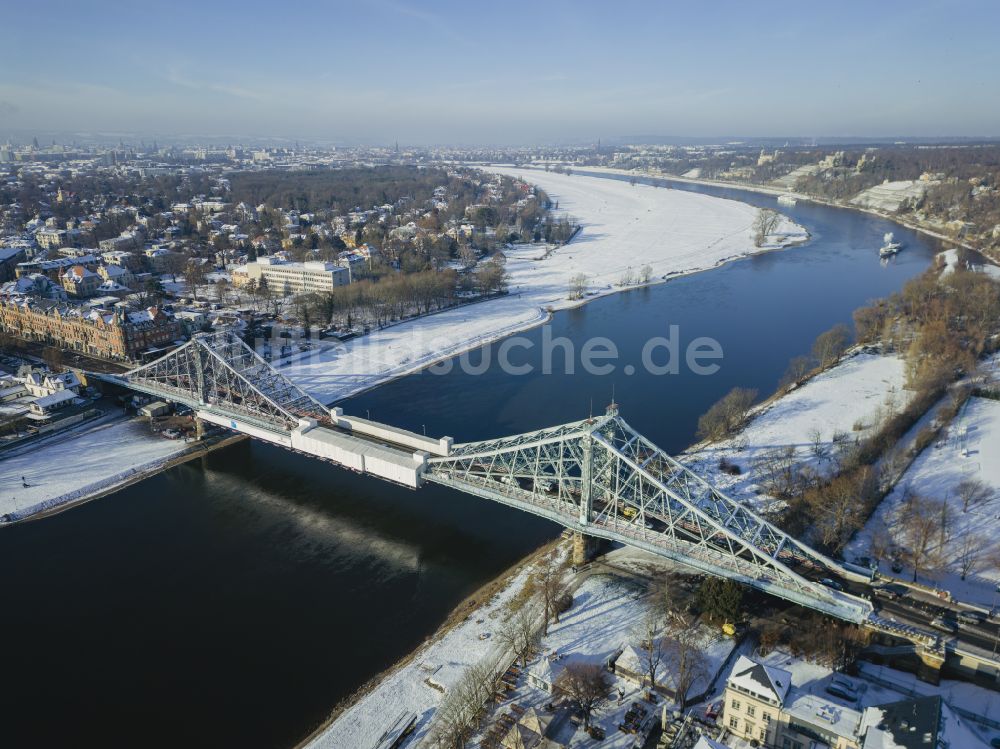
point(651, 644)
point(918, 519)
point(467, 256)
point(646, 273)
point(972, 491)
point(519, 635)
point(578, 286)
point(831, 345)
point(765, 223)
point(971, 550)
point(727, 414)
point(688, 662)
point(586, 684)
point(547, 580)
point(194, 276)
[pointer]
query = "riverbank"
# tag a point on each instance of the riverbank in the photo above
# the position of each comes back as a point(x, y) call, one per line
point(417, 682)
point(40, 483)
point(765, 190)
point(624, 230)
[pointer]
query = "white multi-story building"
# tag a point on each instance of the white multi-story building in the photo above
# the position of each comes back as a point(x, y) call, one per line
point(296, 278)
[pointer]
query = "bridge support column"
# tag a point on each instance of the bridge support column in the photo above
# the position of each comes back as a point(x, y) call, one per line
point(583, 548)
point(931, 661)
point(199, 428)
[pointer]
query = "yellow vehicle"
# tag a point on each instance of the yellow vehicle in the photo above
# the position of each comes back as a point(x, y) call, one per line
point(729, 629)
point(629, 512)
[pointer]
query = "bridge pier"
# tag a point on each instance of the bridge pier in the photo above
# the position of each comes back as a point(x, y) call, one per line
point(931, 662)
point(584, 548)
point(199, 429)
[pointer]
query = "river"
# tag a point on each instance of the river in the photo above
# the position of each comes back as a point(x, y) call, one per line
point(234, 600)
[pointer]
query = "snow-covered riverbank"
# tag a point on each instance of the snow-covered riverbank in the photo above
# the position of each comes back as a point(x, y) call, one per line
point(624, 228)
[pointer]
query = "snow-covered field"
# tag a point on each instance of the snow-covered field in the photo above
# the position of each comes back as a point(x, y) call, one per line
point(969, 450)
point(855, 393)
point(625, 228)
point(83, 463)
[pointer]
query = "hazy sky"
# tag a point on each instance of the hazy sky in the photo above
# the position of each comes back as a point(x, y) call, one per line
point(504, 71)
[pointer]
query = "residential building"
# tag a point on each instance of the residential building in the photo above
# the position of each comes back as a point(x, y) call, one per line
point(119, 274)
point(81, 282)
point(117, 334)
point(9, 258)
point(762, 705)
point(54, 269)
point(296, 278)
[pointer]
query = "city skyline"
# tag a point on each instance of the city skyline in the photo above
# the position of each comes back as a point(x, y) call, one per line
point(437, 73)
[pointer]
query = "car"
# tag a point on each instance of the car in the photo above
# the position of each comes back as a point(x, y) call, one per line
point(841, 687)
point(971, 617)
point(897, 566)
point(945, 625)
point(831, 583)
point(995, 742)
point(892, 591)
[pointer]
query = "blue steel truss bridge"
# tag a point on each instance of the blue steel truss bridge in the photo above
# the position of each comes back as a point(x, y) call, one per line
point(597, 476)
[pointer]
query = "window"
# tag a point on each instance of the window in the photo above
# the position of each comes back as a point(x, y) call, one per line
point(749, 728)
point(751, 710)
point(763, 734)
point(735, 704)
point(734, 723)
point(766, 717)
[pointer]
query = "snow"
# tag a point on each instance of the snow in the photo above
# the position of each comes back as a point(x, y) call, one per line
point(969, 449)
point(87, 461)
point(625, 227)
point(606, 614)
point(950, 260)
point(856, 392)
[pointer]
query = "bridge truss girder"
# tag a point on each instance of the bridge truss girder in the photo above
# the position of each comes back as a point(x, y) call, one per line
point(603, 478)
point(218, 371)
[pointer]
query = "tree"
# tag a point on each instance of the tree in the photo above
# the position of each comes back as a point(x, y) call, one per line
point(831, 345)
point(727, 415)
point(971, 548)
point(797, 370)
point(688, 662)
point(174, 263)
point(519, 635)
point(578, 286)
point(646, 273)
point(194, 276)
point(467, 256)
point(918, 519)
point(547, 580)
point(150, 294)
point(586, 684)
point(972, 491)
point(765, 223)
point(651, 644)
point(720, 599)
point(222, 290)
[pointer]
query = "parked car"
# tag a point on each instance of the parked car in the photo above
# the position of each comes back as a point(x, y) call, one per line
point(841, 687)
point(831, 583)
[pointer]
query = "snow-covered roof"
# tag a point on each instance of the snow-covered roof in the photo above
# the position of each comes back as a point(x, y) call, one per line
point(766, 682)
point(54, 399)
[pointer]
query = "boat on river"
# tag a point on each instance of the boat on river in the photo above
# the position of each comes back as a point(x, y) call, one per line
point(889, 246)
